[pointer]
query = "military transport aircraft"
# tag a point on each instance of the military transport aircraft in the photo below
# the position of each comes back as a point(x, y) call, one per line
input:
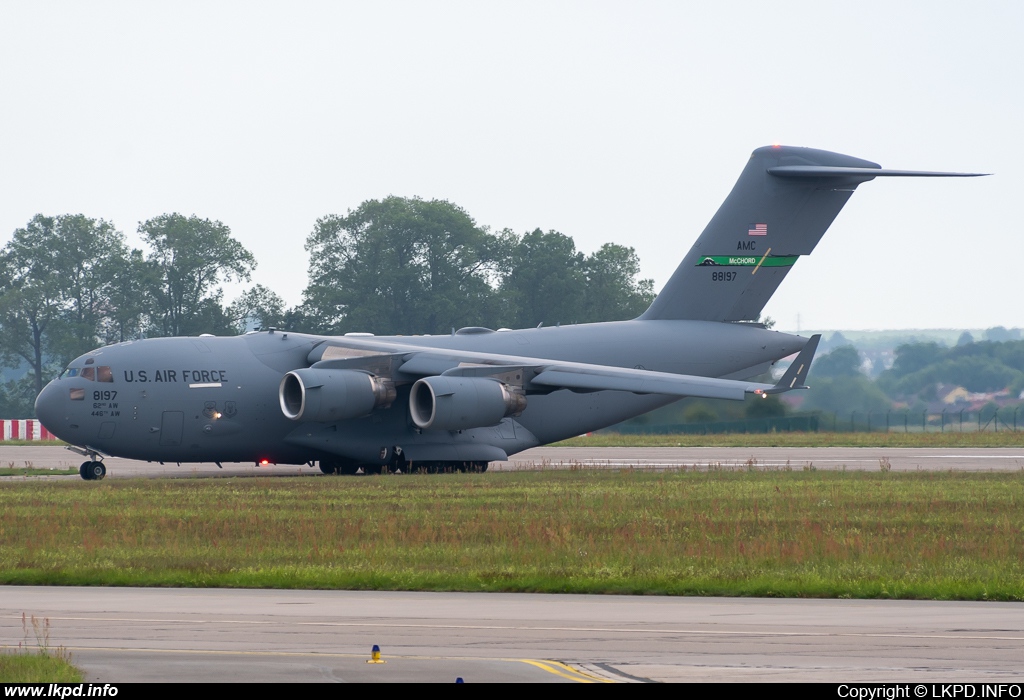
point(463, 400)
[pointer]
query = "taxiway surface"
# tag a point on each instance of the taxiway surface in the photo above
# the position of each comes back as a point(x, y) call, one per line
point(131, 634)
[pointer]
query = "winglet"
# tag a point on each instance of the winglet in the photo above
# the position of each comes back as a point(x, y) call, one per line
point(796, 375)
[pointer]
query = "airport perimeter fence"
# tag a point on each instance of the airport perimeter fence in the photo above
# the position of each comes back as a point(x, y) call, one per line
point(784, 424)
point(1010, 419)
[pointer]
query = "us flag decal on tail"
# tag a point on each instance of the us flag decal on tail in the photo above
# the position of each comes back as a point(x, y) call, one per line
point(757, 230)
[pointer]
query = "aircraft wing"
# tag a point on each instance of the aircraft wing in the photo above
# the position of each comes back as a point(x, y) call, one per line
point(644, 382)
point(596, 378)
point(537, 375)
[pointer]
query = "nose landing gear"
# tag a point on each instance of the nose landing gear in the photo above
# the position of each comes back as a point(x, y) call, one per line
point(93, 470)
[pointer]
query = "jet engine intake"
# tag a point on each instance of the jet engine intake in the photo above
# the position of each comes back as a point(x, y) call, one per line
point(460, 403)
point(328, 395)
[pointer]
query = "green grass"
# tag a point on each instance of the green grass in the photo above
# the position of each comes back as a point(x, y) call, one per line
point(893, 439)
point(34, 471)
point(766, 533)
point(33, 443)
point(37, 668)
point(35, 661)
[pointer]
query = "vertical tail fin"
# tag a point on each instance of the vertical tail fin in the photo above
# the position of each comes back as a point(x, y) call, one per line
point(780, 207)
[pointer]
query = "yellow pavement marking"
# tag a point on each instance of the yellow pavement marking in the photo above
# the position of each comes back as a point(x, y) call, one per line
point(565, 671)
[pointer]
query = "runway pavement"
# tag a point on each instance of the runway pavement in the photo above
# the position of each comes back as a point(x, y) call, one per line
point(121, 635)
point(864, 458)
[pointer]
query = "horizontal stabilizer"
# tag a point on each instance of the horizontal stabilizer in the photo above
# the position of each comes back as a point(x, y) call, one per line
point(836, 171)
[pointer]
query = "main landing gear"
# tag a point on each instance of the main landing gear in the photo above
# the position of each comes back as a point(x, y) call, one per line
point(349, 468)
point(448, 467)
point(338, 466)
point(92, 470)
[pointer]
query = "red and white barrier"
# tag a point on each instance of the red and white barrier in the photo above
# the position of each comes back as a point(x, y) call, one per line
point(25, 429)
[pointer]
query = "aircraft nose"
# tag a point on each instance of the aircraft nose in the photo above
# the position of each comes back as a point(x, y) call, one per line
point(50, 409)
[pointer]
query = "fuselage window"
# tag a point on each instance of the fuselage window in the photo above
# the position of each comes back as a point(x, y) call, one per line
point(103, 374)
point(78, 394)
point(89, 373)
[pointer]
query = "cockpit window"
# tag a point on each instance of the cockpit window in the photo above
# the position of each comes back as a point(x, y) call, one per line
point(71, 371)
point(78, 394)
point(103, 374)
point(89, 373)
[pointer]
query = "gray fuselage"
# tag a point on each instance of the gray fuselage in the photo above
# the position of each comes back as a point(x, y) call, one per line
point(210, 399)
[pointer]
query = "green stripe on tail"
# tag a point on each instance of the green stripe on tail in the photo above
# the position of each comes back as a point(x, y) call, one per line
point(747, 261)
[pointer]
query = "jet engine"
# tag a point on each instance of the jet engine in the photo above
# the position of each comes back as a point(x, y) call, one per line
point(328, 395)
point(460, 403)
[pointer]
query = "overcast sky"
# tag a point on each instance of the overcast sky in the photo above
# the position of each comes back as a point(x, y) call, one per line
point(610, 122)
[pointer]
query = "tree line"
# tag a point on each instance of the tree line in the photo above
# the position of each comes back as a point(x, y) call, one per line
point(840, 386)
point(69, 283)
point(917, 372)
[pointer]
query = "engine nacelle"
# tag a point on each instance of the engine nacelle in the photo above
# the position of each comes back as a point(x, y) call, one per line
point(460, 403)
point(328, 395)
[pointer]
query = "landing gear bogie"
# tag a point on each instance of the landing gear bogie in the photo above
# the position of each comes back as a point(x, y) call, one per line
point(335, 466)
point(92, 470)
point(338, 466)
point(448, 467)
